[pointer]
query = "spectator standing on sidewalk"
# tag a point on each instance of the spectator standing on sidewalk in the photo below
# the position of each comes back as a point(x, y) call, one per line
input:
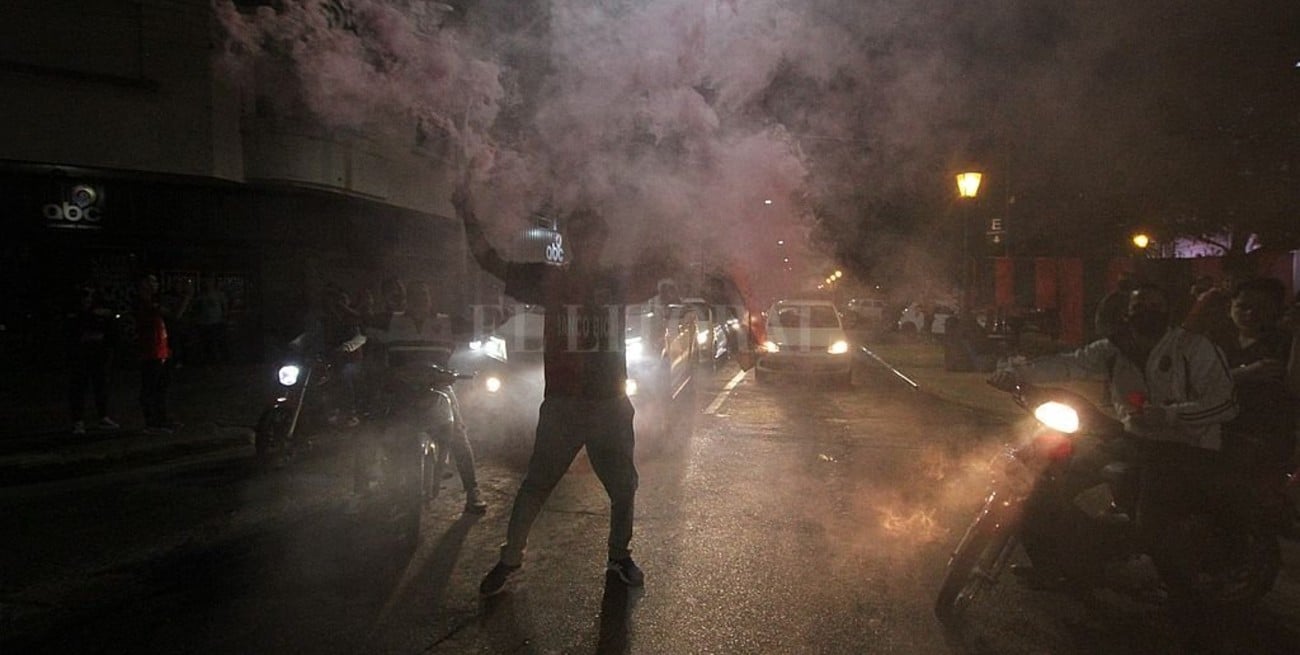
point(211, 308)
point(92, 338)
point(585, 402)
point(151, 320)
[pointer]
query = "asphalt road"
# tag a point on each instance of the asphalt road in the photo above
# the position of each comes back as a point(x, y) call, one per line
point(781, 519)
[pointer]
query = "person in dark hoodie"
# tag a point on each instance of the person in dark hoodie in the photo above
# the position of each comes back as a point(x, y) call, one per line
point(92, 338)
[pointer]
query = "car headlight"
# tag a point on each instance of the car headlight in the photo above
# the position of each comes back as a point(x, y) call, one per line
point(633, 348)
point(702, 338)
point(1058, 416)
point(629, 387)
point(838, 348)
point(770, 347)
point(494, 347)
point(288, 375)
point(492, 384)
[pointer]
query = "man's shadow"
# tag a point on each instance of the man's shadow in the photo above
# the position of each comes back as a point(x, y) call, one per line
point(423, 584)
point(616, 607)
point(510, 631)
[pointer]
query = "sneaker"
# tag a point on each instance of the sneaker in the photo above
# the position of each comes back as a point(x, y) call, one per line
point(79, 427)
point(107, 423)
point(495, 581)
point(474, 502)
point(627, 571)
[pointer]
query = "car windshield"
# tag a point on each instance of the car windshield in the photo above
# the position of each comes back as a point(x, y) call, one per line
point(805, 316)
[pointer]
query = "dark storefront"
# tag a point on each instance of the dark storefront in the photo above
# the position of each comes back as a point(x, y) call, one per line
point(268, 249)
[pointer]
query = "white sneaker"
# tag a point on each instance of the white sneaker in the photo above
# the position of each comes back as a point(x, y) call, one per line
point(107, 423)
point(79, 427)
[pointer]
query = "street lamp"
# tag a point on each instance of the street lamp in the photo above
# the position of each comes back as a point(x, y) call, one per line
point(1141, 240)
point(968, 188)
point(968, 184)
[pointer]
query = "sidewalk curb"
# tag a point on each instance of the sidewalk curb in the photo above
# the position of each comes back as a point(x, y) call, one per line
point(129, 451)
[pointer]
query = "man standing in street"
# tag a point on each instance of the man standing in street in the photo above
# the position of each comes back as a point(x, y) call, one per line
point(585, 402)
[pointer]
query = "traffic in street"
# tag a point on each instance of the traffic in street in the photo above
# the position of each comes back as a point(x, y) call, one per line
point(784, 517)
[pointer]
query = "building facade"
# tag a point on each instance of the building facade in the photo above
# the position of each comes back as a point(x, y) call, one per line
point(124, 151)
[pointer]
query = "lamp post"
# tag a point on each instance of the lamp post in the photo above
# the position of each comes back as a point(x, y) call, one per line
point(968, 188)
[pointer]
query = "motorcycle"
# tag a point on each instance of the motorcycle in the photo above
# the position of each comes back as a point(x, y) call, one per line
point(417, 412)
point(1238, 566)
point(303, 381)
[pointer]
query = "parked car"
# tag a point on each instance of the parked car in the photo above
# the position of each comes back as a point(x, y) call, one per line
point(805, 337)
point(915, 319)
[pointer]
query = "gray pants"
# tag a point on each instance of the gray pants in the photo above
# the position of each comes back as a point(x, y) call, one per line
point(564, 426)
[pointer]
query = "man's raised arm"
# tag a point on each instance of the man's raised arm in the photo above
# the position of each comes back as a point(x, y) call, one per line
point(484, 254)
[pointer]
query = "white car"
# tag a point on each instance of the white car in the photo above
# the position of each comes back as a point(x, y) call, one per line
point(805, 337)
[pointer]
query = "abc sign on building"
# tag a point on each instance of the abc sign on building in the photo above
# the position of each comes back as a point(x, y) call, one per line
point(80, 209)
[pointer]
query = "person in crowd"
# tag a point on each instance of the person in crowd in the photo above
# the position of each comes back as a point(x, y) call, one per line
point(411, 334)
point(1211, 313)
point(152, 318)
point(344, 340)
point(92, 339)
point(1109, 317)
point(1172, 389)
point(211, 309)
point(584, 364)
point(1262, 437)
point(176, 300)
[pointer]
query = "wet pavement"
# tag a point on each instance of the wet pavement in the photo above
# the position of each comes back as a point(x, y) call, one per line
point(777, 519)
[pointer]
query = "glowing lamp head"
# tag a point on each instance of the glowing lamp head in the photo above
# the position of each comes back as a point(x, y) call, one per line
point(1058, 416)
point(968, 184)
point(1141, 240)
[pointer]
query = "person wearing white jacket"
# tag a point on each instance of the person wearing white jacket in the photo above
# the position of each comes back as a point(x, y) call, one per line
point(1172, 389)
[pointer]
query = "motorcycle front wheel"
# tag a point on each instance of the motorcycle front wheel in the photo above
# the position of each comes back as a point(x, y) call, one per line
point(271, 438)
point(975, 563)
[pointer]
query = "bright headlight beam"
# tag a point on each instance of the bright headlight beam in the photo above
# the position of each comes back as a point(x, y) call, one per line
point(838, 348)
point(288, 375)
point(1058, 416)
point(633, 349)
point(492, 384)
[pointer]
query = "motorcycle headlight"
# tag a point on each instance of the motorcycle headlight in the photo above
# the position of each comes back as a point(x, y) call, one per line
point(629, 387)
point(633, 348)
point(492, 384)
point(770, 347)
point(1058, 416)
point(288, 375)
point(838, 348)
point(702, 338)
